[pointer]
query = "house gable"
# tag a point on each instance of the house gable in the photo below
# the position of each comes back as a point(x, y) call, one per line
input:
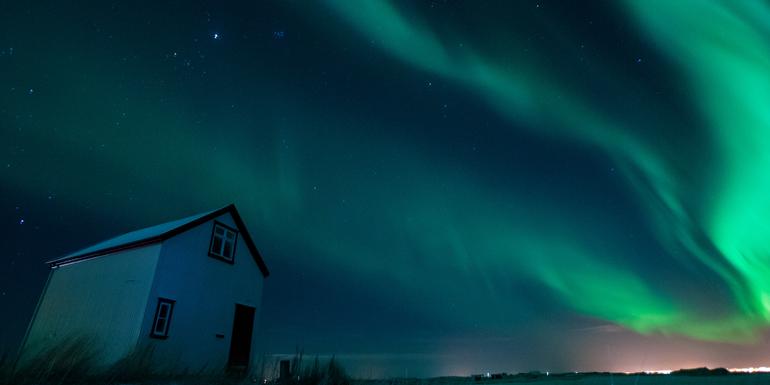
point(205, 291)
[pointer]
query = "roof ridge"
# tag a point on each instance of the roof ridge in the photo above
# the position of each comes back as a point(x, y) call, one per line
point(158, 233)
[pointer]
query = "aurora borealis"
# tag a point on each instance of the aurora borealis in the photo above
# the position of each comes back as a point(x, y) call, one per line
point(442, 187)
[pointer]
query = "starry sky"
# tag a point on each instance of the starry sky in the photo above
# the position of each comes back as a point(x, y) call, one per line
point(438, 187)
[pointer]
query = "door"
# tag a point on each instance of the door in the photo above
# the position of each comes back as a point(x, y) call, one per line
point(240, 343)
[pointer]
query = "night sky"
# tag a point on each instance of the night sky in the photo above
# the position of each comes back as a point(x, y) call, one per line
point(438, 187)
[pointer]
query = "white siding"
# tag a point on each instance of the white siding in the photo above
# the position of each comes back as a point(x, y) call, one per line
point(101, 299)
point(205, 290)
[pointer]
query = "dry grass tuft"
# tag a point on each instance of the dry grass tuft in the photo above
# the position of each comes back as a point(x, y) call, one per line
point(74, 362)
point(70, 362)
point(315, 374)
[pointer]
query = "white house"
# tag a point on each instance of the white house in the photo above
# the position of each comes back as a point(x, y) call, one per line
point(187, 291)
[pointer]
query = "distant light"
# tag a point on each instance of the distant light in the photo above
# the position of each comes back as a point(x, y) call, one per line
point(666, 371)
point(21, 221)
point(216, 36)
point(761, 369)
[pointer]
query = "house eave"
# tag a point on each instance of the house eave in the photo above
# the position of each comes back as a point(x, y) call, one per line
point(99, 253)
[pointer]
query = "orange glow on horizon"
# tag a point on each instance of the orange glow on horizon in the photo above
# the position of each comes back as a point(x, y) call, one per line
point(761, 369)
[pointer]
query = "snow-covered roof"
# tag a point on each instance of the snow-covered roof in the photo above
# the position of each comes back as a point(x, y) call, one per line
point(159, 233)
point(134, 236)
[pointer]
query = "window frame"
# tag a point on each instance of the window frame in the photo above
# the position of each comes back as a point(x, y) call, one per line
point(218, 256)
point(153, 331)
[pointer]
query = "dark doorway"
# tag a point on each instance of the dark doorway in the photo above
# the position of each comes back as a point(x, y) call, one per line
point(240, 343)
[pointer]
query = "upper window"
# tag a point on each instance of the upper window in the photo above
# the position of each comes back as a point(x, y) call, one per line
point(162, 318)
point(223, 242)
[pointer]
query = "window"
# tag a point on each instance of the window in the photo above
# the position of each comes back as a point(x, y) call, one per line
point(162, 318)
point(223, 241)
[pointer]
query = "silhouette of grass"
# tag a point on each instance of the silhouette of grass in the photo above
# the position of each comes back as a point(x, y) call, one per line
point(315, 374)
point(67, 363)
point(76, 362)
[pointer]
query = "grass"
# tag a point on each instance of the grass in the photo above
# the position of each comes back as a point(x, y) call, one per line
point(331, 373)
point(75, 362)
point(72, 363)
point(69, 362)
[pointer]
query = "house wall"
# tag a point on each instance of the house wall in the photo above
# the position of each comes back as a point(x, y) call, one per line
point(100, 302)
point(205, 290)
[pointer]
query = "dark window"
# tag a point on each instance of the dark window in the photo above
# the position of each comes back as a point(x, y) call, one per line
point(162, 318)
point(223, 241)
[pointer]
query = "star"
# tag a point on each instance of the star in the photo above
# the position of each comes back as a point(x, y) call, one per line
point(21, 221)
point(216, 36)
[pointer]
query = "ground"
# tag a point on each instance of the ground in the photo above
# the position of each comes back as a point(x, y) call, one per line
point(601, 379)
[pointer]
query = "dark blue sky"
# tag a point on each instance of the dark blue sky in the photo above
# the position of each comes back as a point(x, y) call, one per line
point(438, 187)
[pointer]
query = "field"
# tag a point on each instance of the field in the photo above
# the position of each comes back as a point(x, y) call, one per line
point(589, 379)
point(69, 368)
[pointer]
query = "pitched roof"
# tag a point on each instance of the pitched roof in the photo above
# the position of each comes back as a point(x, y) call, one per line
point(160, 233)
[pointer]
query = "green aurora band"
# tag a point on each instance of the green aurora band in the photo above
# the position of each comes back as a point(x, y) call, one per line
point(723, 52)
